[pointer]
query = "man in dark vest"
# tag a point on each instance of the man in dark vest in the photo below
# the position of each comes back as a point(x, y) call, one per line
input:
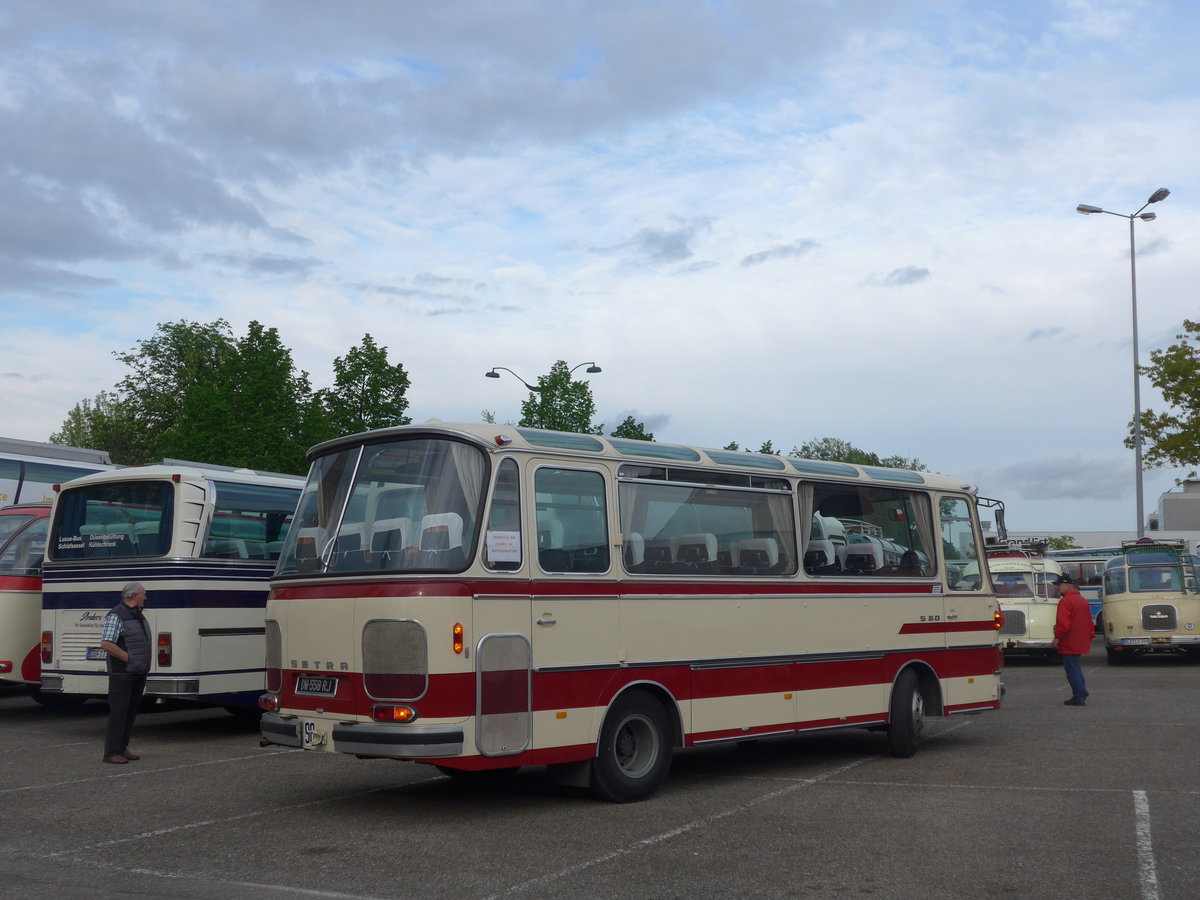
point(126, 639)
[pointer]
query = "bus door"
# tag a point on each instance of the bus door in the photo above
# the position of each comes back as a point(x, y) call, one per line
point(969, 602)
point(574, 615)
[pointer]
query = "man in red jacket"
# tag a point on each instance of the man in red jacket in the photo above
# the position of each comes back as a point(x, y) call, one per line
point(1073, 633)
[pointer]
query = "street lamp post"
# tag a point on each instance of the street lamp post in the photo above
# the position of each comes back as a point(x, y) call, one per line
point(1085, 209)
point(592, 369)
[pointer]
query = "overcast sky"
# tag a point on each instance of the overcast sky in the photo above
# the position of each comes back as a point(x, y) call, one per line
point(764, 220)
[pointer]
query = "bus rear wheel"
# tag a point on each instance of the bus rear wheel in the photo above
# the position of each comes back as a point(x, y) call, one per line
point(635, 750)
point(906, 715)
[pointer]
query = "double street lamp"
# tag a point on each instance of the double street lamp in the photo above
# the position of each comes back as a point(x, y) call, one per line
point(592, 369)
point(1085, 209)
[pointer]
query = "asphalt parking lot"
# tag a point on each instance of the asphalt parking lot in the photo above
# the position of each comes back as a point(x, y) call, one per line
point(1038, 800)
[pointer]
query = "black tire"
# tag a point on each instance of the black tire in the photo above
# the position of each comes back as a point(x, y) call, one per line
point(906, 715)
point(635, 750)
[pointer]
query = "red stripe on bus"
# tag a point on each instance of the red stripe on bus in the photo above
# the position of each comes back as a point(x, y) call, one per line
point(453, 695)
point(946, 627)
point(21, 583)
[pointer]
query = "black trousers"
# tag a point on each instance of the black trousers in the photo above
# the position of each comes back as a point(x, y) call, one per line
point(124, 699)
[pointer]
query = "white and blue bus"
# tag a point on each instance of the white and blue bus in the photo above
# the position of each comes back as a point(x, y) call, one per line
point(30, 469)
point(203, 540)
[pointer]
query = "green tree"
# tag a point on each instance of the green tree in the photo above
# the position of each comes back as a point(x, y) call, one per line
point(633, 430)
point(368, 392)
point(838, 450)
point(171, 378)
point(104, 423)
point(261, 414)
point(560, 403)
point(193, 391)
point(1172, 438)
point(1065, 542)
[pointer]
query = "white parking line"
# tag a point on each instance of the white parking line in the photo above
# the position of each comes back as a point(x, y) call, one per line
point(675, 832)
point(136, 772)
point(1147, 869)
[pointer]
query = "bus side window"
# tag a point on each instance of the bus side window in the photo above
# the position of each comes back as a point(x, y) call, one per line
point(572, 520)
point(964, 565)
point(502, 547)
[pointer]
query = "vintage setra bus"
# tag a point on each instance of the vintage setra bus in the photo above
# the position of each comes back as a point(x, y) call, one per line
point(486, 597)
point(1151, 602)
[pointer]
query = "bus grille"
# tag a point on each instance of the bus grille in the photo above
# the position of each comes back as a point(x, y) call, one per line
point(1159, 617)
point(1014, 622)
point(395, 660)
point(73, 645)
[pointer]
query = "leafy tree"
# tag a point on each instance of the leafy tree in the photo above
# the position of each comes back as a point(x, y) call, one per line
point(633, 430)
point(836, 449)
point(171, 379)
point(104, 423)
point(1172, 438)
point(368, 392)
point(260, 414)
point(560, 403)
point(195, 392)
point(1064, 542)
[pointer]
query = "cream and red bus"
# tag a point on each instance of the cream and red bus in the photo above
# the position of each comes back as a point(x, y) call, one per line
point(486, 597)
point(202, 540)
point(22, 544)
point(1151, 602)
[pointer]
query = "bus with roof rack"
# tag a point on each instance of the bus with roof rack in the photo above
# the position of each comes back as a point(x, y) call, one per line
point(1151, 602)
point(484, 597)
point(1023, 577)
point(202, 540)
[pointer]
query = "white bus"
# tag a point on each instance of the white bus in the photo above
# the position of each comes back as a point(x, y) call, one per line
point(29, 470)
point(1024, 577)
point(1151, 602)
point(203, 540)
point(485, 597)
point(22, 545)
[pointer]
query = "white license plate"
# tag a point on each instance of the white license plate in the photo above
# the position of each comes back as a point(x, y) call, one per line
point(1135, 642)
point(316, 685)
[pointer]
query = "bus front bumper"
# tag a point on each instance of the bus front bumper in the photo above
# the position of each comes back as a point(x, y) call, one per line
point(363, 738)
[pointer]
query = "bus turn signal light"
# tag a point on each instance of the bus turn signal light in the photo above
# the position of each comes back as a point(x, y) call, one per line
point(164, 648)
point(269, 702)
point(47, 647)
point(457, 637)
point(998, 618)
point(389, 713)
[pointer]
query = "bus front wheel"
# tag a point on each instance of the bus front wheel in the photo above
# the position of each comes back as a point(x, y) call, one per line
point(906, 715)
point(635, 750)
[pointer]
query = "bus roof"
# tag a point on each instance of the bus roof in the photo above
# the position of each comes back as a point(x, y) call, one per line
point(191, 470)
point(500, 438)
point(39, 450)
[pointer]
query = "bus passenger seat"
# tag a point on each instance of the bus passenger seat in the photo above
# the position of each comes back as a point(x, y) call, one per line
point(391, 535)
point(441, 541)
point(759, 555)
point(659, 556)
point(697, 552)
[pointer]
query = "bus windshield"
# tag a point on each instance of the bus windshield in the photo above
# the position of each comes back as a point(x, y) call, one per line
point(399, 505)
point(122, 519)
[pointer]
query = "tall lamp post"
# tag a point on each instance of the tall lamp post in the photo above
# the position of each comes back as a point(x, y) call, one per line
point(592, 369)
point(1085, 209)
